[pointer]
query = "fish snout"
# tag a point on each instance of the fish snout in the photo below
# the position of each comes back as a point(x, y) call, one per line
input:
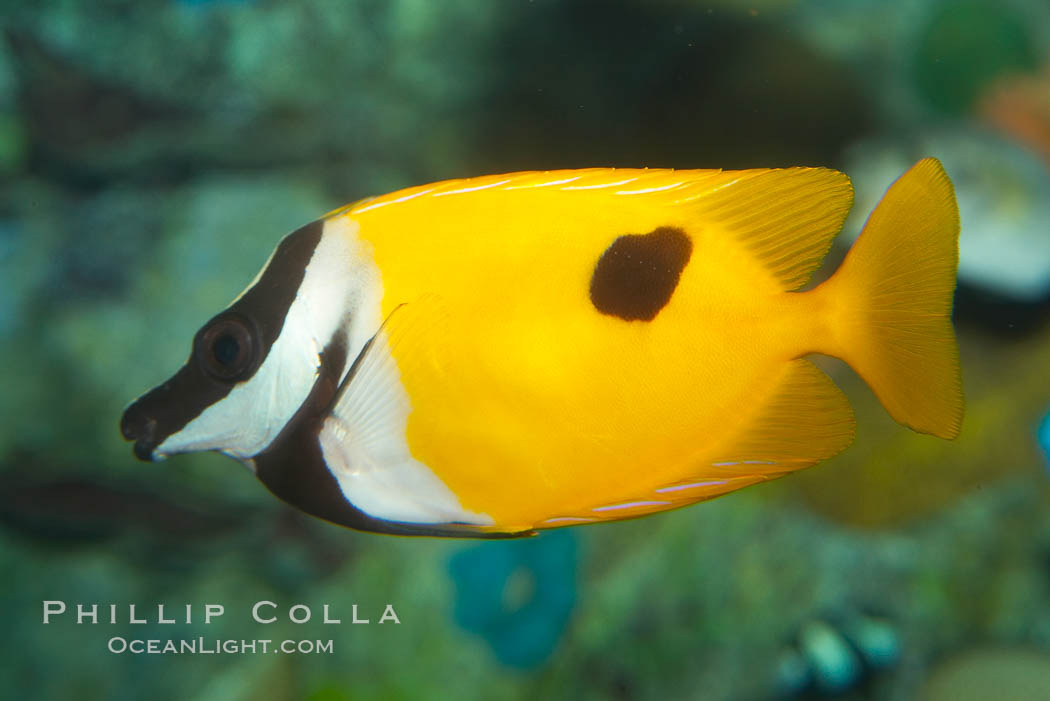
point(160, 415)
point(137, 426)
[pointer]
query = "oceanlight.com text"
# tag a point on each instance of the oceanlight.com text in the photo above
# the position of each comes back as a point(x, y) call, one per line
point(216, 646)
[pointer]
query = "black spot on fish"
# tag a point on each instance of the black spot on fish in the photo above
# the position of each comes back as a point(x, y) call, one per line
point(637, 274)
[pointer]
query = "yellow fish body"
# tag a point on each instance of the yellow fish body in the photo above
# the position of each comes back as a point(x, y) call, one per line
point(497, 355)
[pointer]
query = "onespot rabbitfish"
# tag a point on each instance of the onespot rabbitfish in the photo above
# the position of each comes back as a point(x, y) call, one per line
point(493, 356)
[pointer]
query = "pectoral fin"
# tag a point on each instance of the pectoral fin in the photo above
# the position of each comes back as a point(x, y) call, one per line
point(362, 437)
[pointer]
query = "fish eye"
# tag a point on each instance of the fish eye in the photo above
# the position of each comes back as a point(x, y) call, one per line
point(226, 347)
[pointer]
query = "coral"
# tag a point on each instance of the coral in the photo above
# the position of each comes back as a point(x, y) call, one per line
point(518, 594)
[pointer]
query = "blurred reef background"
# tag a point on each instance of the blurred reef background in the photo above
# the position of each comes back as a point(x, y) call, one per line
point(152, 152)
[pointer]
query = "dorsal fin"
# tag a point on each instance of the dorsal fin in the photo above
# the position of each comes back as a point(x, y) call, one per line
point(786, 217)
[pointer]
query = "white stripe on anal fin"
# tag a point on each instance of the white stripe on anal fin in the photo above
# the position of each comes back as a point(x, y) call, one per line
point(671, 496)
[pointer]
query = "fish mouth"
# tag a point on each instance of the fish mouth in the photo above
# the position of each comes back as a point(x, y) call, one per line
point(165, 410)
point(136, 426)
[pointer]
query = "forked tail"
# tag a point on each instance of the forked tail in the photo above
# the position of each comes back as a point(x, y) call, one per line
point(892, 302)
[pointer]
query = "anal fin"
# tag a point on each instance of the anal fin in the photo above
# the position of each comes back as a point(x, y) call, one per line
point(804, 419)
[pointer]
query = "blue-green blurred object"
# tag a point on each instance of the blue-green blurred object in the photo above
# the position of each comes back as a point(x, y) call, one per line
point(835, 665)
point(829, 659)
point(517, 594)
point(1044, 435)
point(966, 45)
point(876, 639)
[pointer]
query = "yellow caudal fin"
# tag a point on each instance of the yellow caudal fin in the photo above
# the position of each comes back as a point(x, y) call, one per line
point(892, 302)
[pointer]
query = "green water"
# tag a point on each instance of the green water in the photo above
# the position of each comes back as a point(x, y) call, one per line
point(152, 152)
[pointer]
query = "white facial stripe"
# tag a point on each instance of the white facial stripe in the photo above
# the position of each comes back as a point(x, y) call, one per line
point(247, 420)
